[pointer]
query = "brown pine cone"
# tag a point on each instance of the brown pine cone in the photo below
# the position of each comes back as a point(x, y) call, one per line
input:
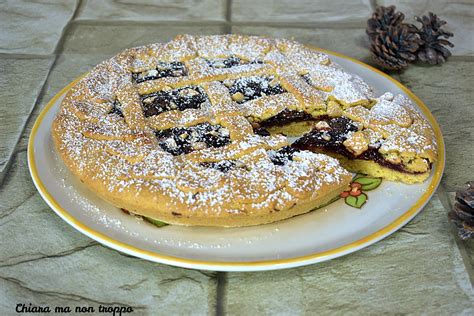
point(433, 50)
point(395, 48)
point(462, 215)
point(382, 19)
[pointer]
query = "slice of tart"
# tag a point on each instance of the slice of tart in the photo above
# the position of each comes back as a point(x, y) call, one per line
point(389, 140)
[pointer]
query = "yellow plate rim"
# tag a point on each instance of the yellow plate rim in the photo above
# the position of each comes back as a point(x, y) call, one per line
point(248, 265)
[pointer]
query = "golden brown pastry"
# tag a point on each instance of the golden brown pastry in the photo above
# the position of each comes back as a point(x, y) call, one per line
point(187, 132)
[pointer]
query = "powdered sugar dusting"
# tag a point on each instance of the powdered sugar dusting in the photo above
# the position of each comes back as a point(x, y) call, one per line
point(101, 143)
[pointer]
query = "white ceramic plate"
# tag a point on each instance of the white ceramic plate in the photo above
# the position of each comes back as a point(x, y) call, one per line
point(333, 231)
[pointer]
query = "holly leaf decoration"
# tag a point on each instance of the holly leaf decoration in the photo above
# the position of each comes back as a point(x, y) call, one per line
point(359, 175)
point(356, 201)
point(155, 222)
point(368, 183)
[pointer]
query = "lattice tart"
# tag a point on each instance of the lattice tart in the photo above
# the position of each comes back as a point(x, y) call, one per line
point(194, 131)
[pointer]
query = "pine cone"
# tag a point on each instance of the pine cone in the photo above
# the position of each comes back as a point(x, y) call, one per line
point(433, 50)
point(382, 19)
point(462, 214)
point(394, 48)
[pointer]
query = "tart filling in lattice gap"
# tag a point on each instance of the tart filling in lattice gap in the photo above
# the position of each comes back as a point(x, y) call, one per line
point(183, 140)
point(155, 103)
point(229, 62)
point(116, 109)
point(163, 70)
point(250, 88)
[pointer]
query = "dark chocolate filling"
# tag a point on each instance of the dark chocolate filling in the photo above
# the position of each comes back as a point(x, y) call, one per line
point(229, 62)
point(255, 87)
point(285, 117)
point(183, 140)
point(307, 79)
point(331, 141)
point(116, 109)
point(261, 131)
point(222, 166)
point(179, 99)
point(283, 155)
point(172, 69)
